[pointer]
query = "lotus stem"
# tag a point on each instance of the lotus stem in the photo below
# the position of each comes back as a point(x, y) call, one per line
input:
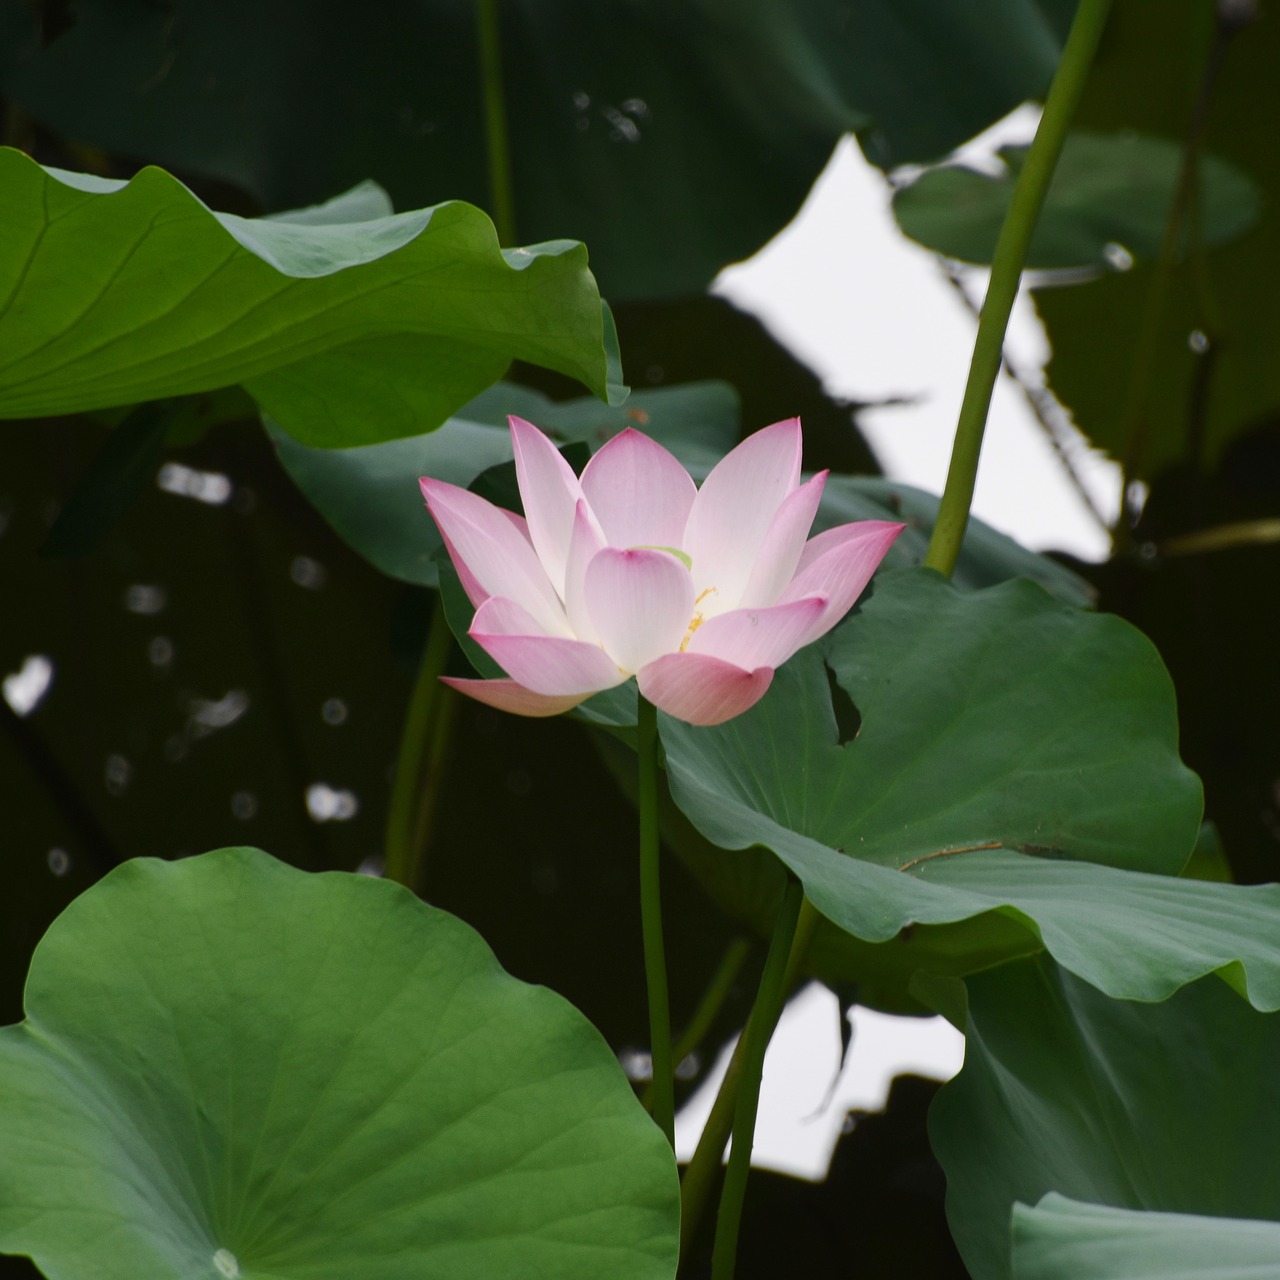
point(712, 1002)
point(1006, 271)
point(700, 1175)
point(495, 121)
point(423, 748)
point(655, 959)
point(764, 1017)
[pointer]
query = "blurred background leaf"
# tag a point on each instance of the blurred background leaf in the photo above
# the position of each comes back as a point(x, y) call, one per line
point(1201, 426)
point(1110, 195)
point(673, 138)
point(1207, 78)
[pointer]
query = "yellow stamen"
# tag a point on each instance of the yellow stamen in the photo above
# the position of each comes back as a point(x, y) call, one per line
point(697, 620)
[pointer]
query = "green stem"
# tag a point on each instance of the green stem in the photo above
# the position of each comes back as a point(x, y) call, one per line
point(709, 1006)
point(764, 1017)
point(703, 1170)
point(713, 999)
point(431, 786)
point(655, 960)
point(495, 121)
point(422, 749)
point(1006, 270)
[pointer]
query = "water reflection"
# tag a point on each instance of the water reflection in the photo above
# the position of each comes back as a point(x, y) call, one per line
point(1118, 257)
point(211, 487)
point(308, 573)
point(325, 804)
point(160, 651)
point(117, 774)
point(145, 599)
point(621, 127)
point(25, 688)
point(244, 805)
point(206, 715)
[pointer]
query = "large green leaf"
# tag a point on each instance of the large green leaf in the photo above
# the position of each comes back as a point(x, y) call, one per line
point(231, 1068)
point(1009, 747)
point(1171, 1108)
point(1109, 190)
point(345, 332)
point(999, 717)
point(672, 137)
point(1062, 1239)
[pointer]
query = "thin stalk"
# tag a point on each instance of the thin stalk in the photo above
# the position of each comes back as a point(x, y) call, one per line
point(764, 1017)
point(422, 747)
point(1223, 537)
point(1006, 271)
point(1183, 210)
point(655, 960)
point(495, 121)
point(735, 956)
point(431, 787)
point(74, 811)
point(1047, 412)
point(703, 1170)
point(709, 1006)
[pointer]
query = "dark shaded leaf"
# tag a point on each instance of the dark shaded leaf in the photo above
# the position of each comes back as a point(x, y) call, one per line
point(1213, 374)
point(1171, 1108)
point(673, 138)
point(115, 477)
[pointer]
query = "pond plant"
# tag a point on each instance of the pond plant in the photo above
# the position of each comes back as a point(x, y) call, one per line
point(857, 737)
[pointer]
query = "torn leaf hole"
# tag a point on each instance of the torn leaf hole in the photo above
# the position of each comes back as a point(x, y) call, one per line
point(848, 717)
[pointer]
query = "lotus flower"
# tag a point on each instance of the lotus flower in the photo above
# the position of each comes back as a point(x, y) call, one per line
point(632, 570)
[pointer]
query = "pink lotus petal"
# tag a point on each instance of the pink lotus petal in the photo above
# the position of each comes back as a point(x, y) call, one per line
point(701, 689)
point(640, 603)
point(838, 564)
point(780, 553)
point(520, 523)
point(491, 555)
point(506, 695)
point(731, 515)
point(751, 638)
point(639, 492)
point(554, 666)
point(584, 542)
point(550, 491)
